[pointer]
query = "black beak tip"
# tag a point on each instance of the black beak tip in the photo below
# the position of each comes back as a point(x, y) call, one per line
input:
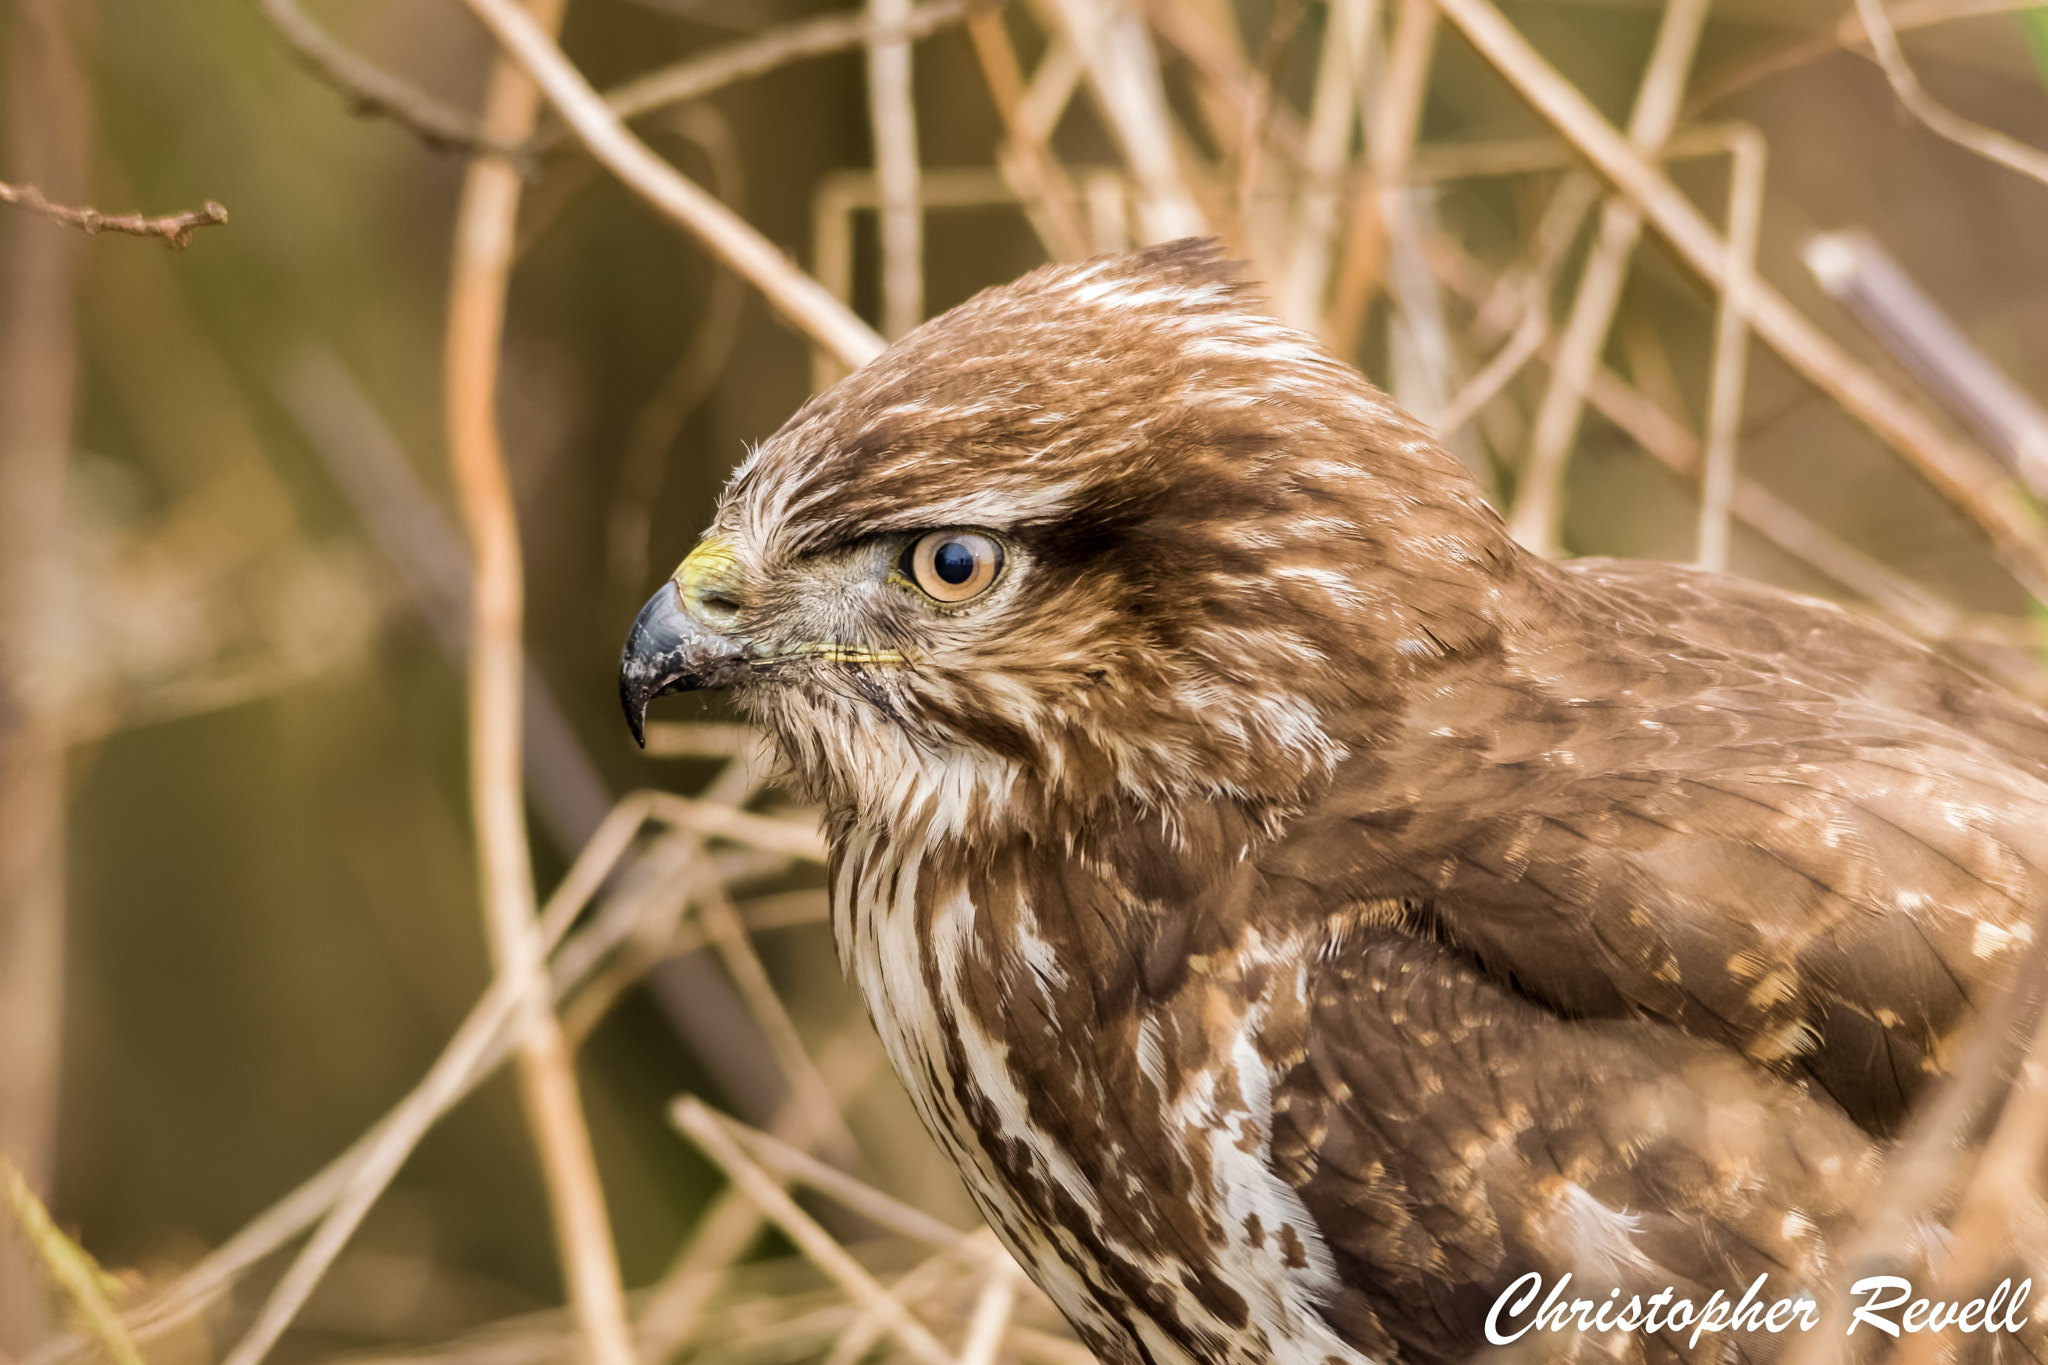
point(634, 700)
point(666, 651)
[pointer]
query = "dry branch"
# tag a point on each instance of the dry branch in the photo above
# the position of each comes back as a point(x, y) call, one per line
point(343, 1190)
point(795, 295)
point(48, 123)
point(374, 92)
point(1988, 143)
point(1963, 475)
point(1539, 503)
point(1740, 73)
point(709, 1133)
point(697, 77)
point(174, 230)
point(892, 119)
point(1123, 74)
point(485, 228)
point(1747, 154)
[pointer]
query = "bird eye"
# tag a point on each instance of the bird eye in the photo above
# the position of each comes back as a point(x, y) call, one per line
point(953, 566)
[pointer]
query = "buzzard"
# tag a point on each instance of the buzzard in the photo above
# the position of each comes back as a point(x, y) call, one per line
point(1304, 915)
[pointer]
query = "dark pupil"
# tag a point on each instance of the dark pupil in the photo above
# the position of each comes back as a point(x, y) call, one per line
point(953, 562)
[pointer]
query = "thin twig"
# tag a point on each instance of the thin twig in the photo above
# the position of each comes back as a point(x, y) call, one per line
point(485, 229)
point(1731, 346)
point(1333, 118)
point(696, 77)
point(1679, 451)
point(1525, 290)
point(1418, 340)
point(1988, 143)
point(174, 230)
point(708, 1131)
point(676, 1304)
point(629, 527)
point(1123, 74)
point(922, 1281)
point(991, 1319)
point(1200, 33)
point(806, 1086)
point(1963, 475)
point(789, 1160)
point(1739, 74)
point(795, 295)
point(1041, 183)
point(482, 1041)
point(1539, 501)
point(892, 118)
point(374, 92)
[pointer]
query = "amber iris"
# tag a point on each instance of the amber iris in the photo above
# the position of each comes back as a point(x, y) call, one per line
point(953, 566)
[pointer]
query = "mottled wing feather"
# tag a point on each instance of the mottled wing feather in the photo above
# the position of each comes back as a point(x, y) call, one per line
point(1449, 1137)
point(1779, 827)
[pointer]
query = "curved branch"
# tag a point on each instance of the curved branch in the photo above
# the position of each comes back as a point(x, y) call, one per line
point(736, 242)
point(374, 92)
point(1939, 119)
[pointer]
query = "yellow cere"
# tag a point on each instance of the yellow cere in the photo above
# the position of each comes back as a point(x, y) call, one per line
point(711, 574)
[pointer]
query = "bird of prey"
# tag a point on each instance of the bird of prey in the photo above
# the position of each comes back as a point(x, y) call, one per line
point(1303, 914)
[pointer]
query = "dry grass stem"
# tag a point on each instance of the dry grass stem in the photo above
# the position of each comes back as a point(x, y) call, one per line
point(807, 1087)
point(706, 1129)
point(893, 1215)
point(1987, 497)
point(1539, 503)
point(1747, 163)
point(173, 229)
point(48, 131)
point(675, 1307)
point(1123, 74)
point(1041, 184)
point(2003, 1191)
point(1988, 143)
point(1418, 340)
point(1333, 121)
point(1792, 531)
point(798, 840)
point(907, 1291)
point(992, 1309)
point(793, 294)
point(477, 1047)
point(892, 118)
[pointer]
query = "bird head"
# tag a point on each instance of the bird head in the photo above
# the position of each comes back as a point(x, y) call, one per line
point(1109, 533)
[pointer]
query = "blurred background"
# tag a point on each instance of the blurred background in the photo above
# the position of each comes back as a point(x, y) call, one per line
point(239, 915)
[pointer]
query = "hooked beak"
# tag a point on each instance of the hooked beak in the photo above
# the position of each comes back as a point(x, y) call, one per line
point(668, 650)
